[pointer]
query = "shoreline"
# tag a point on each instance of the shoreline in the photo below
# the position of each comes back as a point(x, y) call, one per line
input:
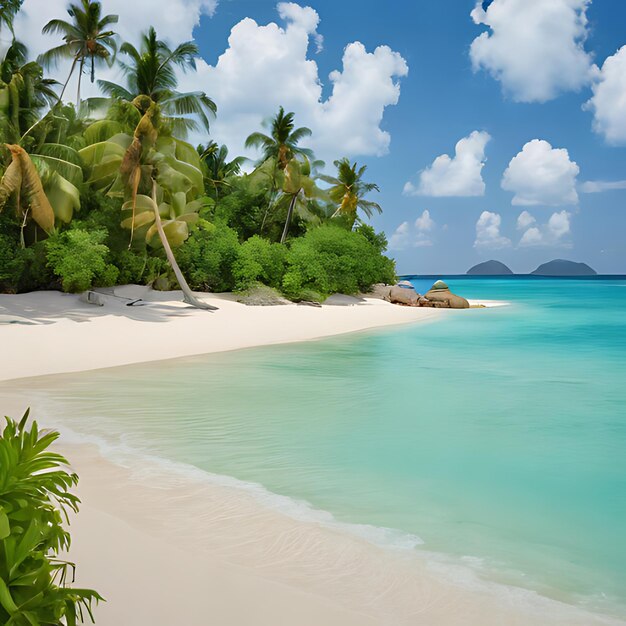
point(148, 524)
point(69, 335)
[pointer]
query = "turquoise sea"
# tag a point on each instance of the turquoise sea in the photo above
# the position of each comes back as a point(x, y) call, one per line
point(495, 436)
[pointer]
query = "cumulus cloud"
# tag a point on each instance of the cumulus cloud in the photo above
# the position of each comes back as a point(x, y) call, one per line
point(266, 66)
point(399, 240)
point(535, 48)
point(488, 233)
point(416, 236)
point(455, 176)
point(599, 186)
point(550, 234)
point(424, 222)
point(609, 99)
point(524, 220)
point(541, 174)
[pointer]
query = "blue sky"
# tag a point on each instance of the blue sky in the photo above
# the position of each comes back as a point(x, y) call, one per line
point(443, 100)
point(520, 107)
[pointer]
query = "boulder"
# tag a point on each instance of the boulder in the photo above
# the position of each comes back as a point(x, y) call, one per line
point(403, 295)
point(379, 291)
point(440, 293)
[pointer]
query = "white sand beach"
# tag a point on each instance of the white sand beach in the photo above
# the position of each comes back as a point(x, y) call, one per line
point(167, 547)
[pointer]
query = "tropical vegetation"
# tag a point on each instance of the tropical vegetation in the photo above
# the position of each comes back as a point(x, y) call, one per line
point(107, 190)
point(35, 500)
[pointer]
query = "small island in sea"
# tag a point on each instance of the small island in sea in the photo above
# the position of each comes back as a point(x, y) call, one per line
point(489, 268)
point(561, 267)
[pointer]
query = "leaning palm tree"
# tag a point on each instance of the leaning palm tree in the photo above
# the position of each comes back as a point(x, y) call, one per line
point(86, 37)
point(348, 191)
point(151, 71)
point(300, 192)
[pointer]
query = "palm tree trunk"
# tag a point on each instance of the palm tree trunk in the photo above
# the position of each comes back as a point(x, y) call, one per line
point(292, 204)
point(80, 76)
point(68, 78)
point(188, 295)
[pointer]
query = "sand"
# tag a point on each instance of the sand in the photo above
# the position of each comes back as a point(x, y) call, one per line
point(168, 547)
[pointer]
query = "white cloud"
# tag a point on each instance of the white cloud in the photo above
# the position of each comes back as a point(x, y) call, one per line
point(524, 220)
point(550, 234)
point(424, 222)
point(417, 236)
point(609, 99)
point(266, 66)
point(456, 176)
point(532, 237)
point(535, 47)
point(598, 186)
point(541, 174)
point(559, 224)
point(400, 238)
point(488, 232)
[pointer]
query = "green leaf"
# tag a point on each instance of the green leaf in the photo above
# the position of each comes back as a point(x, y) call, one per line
point(6, 600)
point(5, 526)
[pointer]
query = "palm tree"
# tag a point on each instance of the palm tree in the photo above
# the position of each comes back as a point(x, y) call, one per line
point(282, 142)
point(218, 167)
point(301, 192)
point(23, 93)
point(348, 191)
point(8, 10)
point(86, 37)
point(158, 176)
point(151, 71)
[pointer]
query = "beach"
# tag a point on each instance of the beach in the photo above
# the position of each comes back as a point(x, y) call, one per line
point(164, 544)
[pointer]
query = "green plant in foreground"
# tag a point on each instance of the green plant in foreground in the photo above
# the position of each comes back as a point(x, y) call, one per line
point(35, 500)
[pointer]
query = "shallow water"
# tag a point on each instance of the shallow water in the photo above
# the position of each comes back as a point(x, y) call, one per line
point(498, 436)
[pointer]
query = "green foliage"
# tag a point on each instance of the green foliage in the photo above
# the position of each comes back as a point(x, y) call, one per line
point(79, 259)
point(260, 261)
point(35, 500)
point(11, 264)
point(207, 257)
point(330, 259)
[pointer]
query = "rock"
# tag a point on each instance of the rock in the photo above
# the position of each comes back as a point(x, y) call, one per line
point(403, 295)
point(379, 291)
point(440, 293)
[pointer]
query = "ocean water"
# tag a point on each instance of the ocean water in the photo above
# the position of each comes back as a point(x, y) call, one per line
point(496, 436)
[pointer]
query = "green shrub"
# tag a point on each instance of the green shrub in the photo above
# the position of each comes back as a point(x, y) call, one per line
point(330, 259)
point(207, 257)
point(12, 263)
point(79, 259)
point(260, 261)
point(35, 499)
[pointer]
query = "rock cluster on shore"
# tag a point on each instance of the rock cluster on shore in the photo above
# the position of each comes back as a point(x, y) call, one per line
point(438, 296)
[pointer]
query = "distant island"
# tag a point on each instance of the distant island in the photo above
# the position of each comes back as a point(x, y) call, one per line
point(558, 267)
point(561, 267)
point(489, 268)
